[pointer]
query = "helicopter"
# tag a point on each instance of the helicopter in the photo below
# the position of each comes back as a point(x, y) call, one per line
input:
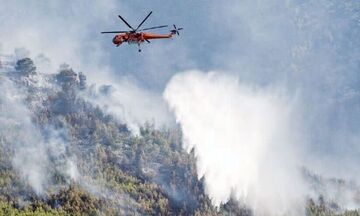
point(137, 35)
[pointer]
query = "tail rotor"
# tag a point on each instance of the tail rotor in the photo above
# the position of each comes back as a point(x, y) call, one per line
point(176, 30)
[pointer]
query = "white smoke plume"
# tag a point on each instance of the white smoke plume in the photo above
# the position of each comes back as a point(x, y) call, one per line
point(32, 150)
point(129, 104)
point(243, 140)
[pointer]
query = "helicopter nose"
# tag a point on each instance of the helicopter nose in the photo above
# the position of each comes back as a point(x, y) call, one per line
point(117, 40)
point(114, 40)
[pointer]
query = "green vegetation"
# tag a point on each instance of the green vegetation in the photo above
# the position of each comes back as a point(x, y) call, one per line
point(321, 209)
point(117, 173)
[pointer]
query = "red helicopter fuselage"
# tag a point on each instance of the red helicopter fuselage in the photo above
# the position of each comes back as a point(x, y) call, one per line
point(138, 37)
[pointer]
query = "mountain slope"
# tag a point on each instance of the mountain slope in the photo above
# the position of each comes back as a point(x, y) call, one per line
point(62, 155)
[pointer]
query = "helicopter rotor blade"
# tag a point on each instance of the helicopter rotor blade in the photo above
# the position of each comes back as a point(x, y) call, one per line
point(113, 32)
point(143, 21)
point(156, 27)
point(126, 23)
point(147, 40)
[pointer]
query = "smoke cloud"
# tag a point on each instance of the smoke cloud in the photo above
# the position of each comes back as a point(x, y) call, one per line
point(242, 138)
point(251, 145)
point(130, 104)
point(33, 149)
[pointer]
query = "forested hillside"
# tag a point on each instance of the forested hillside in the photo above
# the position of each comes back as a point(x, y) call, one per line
point(62, 155)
